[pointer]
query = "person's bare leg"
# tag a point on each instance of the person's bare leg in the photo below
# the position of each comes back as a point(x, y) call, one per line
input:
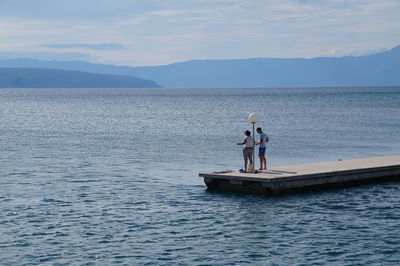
point(262, 164)
point(265, 163)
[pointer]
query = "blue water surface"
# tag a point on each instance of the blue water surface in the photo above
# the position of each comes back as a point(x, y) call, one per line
point(109, 176)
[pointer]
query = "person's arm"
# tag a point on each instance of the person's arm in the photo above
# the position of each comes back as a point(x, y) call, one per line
point(242, 143)
point(267, 139)
point(258, 143)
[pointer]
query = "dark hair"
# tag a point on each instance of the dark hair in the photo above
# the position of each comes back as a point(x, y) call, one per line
point(259, 129)
point(248, 133)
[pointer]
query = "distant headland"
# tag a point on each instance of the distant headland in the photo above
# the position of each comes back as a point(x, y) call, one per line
point(56, 78)
point(380, 69)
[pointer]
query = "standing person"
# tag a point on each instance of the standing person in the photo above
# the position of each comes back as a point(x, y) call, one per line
point(248, 145)
point(261, 150)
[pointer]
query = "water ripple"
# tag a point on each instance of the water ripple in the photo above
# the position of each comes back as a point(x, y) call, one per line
point(84, 183)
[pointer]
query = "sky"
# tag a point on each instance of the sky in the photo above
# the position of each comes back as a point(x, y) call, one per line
point(158, 32)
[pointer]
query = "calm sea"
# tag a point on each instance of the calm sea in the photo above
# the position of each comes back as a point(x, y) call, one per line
point(109, 176)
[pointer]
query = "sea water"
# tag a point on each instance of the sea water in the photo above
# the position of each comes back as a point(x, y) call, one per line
point(109, 176)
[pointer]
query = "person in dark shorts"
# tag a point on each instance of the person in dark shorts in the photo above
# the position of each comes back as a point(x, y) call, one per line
point(261, 150)
point(248, 146)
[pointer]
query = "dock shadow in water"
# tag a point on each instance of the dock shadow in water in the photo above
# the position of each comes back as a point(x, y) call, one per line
point(338, 188)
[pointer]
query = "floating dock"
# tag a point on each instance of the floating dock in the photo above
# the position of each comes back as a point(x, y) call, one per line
point(301, 177)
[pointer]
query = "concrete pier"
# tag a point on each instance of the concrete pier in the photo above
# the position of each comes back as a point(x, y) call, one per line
point(296, 178)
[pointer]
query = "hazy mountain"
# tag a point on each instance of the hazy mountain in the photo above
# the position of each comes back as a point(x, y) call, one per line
point(381, 69)
point(54, 78)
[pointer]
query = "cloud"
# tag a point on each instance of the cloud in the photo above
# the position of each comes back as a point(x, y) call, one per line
point(339, 52)
point(167, 13)
point(166, 31)
point(95, 46)
point(43, 55)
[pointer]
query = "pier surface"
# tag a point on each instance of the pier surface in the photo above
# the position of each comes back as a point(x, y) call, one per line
point(295, 178)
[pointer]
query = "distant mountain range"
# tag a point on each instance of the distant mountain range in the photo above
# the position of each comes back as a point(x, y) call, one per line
point(55, 78)
point(381, 69)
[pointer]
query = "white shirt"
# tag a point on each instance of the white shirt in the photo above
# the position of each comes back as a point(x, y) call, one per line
point(248, 142)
